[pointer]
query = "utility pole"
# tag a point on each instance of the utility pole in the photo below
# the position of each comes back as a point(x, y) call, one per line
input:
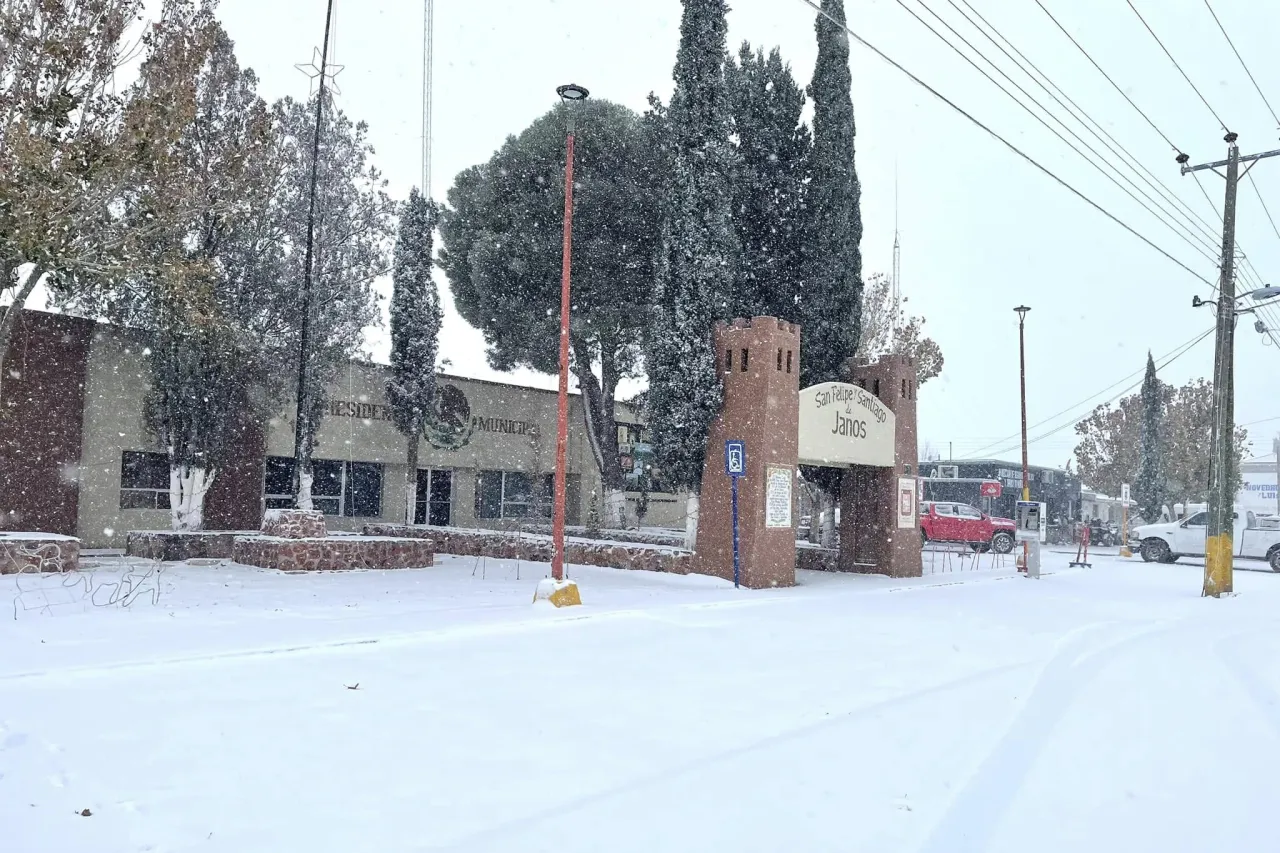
point(1218, 534)
point(1022, 384)
point(1276, 447)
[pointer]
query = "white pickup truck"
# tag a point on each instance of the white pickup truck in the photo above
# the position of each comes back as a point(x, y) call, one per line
point(1255, 537)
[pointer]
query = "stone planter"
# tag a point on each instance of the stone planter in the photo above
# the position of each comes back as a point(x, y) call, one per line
point(38, 552)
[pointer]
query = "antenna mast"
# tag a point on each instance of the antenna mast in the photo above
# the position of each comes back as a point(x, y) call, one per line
point(897, 256)
point(428, 57)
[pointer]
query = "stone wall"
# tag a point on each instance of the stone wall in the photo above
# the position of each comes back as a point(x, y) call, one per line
point(293, 523)
point(537, 549)
point(173, 546)
point(333, 553)
point(817, 559)
point(36, 554)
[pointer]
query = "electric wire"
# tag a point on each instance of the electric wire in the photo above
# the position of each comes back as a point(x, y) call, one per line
point(1113, 83)
point(1242, 62)
point(1015, 149)
point(1173, 226)
point(1203, 100)
point(1088, 400)
point(1111, 142)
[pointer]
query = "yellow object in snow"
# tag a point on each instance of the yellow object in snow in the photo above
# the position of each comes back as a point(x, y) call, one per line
point(1217, 565)
point(560, 593)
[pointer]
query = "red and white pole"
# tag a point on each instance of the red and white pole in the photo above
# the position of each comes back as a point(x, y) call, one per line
point(562, 404)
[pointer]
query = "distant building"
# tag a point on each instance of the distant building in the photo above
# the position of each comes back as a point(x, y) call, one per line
point(1258, 487)
point(1058, 489)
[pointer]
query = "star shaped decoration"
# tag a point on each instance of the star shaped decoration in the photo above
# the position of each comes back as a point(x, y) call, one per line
point(312, 70)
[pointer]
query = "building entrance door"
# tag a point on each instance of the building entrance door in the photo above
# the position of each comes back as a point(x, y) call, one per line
point(434, 504)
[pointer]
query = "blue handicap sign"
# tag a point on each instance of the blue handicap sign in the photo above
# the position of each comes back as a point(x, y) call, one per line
point(735, 458)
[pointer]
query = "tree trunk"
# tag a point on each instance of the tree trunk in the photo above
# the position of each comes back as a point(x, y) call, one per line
point(411, 480)
point(602, 431)
point(9, 320)
point(188, 486)
point(691, 508)
point(827, 538)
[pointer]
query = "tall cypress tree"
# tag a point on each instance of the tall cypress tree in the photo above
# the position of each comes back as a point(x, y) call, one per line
point(1149, 489)
point(415, 329)
point(831, 298)
point(768, 192)
point(699, 253)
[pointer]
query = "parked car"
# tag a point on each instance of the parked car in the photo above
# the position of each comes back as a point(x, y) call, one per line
point(1254, 538)
point(944, 521)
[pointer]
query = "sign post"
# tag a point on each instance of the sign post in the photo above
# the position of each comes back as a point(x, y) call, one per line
point(735, 465)
point(1124, 521)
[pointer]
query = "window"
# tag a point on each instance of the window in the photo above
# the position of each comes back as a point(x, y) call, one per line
point(1200, 519)
point(966, 511)
point(348, 489)
point(516, 494)
point(434, 503)
point(945, 509)
point(744, 360)
point(144, 480)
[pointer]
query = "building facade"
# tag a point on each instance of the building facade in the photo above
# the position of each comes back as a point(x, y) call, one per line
point(1059, 490)
point(76, 457)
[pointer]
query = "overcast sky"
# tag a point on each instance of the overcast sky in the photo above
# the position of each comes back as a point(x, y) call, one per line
point(982, 230)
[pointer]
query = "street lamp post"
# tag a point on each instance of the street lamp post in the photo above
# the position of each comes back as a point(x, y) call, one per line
point(1022, 381)
point(569, 94)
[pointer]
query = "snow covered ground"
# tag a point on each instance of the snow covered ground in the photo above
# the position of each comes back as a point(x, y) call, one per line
point(210, 708)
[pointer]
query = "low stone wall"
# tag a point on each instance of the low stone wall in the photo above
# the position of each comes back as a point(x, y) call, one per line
point(293, 523)
point(333, 553)
point(34, 553)
point(639, 537)
point(537, 549)
point(174, 546)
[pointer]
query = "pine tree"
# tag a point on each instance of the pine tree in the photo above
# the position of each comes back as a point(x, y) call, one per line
point(699, 253)
point(1148, 490)
point(502, 250)
point(831, 299)
point(415, 330)
point(769, 189)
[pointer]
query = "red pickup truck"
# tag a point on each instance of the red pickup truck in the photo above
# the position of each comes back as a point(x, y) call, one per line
point(944, 521)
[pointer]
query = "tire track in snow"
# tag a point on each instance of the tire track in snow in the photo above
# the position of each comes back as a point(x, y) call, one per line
point(557, 812)
point(1263, 696)
point(977, 808)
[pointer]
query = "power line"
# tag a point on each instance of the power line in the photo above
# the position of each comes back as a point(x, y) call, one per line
point(1177, 66)
point(1185, 344)
point(1264, 204)
point(1112, 399)
point(1242, 63)
point(1033, 114)
point(812, 4)
point(1113, 83)
point(1112, 143)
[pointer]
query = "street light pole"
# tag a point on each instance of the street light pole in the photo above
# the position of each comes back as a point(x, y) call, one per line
point(1022, 381)
point(568, 94)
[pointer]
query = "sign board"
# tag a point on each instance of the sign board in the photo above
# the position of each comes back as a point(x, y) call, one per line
point(990, 488)
point(1124, 493)
point(906, 503)
point(777, 500)
point(735, 458)
point(843, 425)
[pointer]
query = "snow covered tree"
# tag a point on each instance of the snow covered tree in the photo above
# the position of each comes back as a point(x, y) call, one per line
point(887, 330)
point(415, 332)
point(769, 185)
point(1109, 452)
point(202, 284)
point(1148, 488)
point(699, 254)
point(73, 151)
point(502, 250)
point(351, 247)
point(831, 298)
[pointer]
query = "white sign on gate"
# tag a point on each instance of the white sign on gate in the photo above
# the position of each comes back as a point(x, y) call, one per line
point(777, 501)
point(843, 425)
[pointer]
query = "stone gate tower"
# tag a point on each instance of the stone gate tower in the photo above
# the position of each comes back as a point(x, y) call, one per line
point(760, 368)
point(871, 537)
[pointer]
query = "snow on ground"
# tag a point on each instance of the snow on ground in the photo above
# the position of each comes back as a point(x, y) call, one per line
point(210, 707)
